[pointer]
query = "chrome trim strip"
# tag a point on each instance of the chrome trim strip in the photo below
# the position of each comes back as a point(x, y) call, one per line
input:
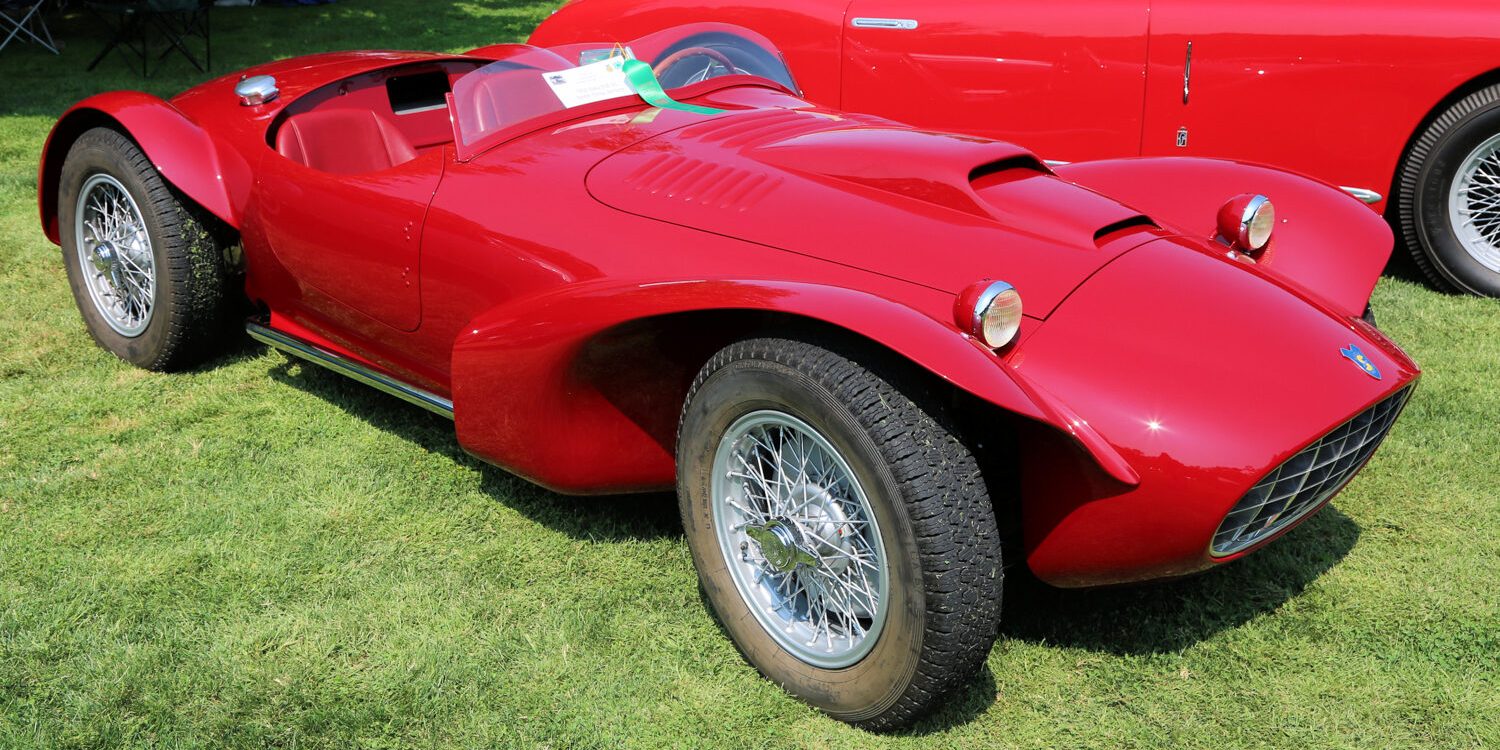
point(905, 24)
point(348, 367)
point(1056, 163)
point(1368, 196)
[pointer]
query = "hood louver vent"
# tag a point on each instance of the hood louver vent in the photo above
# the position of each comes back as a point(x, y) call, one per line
point(676, 177)
point(764, 126)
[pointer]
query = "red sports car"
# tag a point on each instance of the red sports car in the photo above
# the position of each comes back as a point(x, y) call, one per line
point(857, 350)
point(1397, 101)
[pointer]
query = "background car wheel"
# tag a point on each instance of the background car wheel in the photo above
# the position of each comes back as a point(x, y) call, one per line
point(1449, 196)
point(842, 533)
point(145, 266)
point(746, 56)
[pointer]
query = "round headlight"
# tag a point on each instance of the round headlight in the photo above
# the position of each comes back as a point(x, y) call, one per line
point(990, 311)
point(1247, 221)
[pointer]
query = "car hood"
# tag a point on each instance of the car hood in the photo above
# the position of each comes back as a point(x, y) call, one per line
point(939, 210)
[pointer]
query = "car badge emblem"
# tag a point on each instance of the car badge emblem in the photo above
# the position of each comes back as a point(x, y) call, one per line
point(1353, 354)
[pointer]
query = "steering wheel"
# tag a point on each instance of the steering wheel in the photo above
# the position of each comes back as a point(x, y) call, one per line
point(676, 57)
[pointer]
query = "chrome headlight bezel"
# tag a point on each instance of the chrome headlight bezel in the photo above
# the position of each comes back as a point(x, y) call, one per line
point(990, 311)
point(1247, 222)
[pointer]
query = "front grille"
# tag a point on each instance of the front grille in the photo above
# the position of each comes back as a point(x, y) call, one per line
point(1302, 484)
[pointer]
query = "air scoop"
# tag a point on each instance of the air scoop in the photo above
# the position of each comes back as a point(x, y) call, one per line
point(939, 210)
point(883, 156)
point(972, 175)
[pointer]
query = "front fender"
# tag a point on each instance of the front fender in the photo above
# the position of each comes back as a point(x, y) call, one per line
point(208, 172)
point(1326, 244)
point(536, 392)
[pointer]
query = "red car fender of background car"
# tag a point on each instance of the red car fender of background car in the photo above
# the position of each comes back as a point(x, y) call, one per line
point(1301, 73)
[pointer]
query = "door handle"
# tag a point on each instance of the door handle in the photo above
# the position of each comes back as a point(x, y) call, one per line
point(905, 24)
point(1187, 73)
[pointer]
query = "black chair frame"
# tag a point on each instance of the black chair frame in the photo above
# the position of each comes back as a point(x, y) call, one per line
point(24, 21)
point(134, 24)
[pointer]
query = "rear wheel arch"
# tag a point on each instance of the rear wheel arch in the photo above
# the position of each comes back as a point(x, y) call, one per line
point(1476, 83)
point(67, 131)
point(212, 176)
point(1412, 212)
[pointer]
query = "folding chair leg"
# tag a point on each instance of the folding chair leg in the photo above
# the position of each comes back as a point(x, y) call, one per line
point(130, 27)
point(13, 32)
point(41, 22)
point(174, 35)
point(22, 26)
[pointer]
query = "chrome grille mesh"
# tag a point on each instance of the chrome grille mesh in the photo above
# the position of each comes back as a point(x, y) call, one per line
point(1306, 480)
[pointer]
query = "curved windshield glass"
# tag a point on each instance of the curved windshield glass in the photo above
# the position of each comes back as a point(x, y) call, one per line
point(534, 82)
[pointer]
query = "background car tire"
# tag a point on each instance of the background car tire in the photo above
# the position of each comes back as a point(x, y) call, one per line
point(925, 488)
point(186, 248)
point(1426, 178)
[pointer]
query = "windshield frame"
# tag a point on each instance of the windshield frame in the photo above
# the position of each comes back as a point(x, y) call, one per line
point(468, 151)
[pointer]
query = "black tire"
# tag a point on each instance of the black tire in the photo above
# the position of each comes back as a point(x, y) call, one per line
point(186, 248)
point(924, 486)
point(1427, 175)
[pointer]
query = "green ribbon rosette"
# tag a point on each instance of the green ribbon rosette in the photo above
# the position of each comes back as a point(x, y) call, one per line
point(643, 80)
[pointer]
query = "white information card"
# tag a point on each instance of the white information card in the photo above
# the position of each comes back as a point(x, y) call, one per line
point(590, 83)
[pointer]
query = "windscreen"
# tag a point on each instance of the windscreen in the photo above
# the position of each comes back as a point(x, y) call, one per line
point(536, 83)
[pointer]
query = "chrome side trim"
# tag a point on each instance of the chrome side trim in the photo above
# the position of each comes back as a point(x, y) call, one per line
point(345, 366)
point(1057, 163)
point(1368, 196)
point(905, 24)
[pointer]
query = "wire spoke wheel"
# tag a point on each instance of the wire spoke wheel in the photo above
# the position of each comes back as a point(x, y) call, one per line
point(800, 539)
point(843, 532)
point(115, 255)
point(1474, 204)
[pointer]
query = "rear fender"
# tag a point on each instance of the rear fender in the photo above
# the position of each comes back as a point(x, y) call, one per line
point(1327, 244)
point(209, 173)
point(542, 387)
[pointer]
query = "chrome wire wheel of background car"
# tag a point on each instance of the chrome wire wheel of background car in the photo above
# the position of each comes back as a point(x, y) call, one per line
point(799, 538)
point(115, 255)
point(1447, 197)
point(1474, 204)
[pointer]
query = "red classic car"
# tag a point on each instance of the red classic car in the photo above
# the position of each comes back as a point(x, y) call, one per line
point(1397, 101)
point(857, 350)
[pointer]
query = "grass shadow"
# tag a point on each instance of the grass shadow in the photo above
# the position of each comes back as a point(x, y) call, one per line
point(1172, 615)
point(1144, 619)
point(614, 518)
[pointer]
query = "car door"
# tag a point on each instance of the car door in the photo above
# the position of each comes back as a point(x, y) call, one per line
point(1305, 86)
point(351, 241)
point(1063, 79)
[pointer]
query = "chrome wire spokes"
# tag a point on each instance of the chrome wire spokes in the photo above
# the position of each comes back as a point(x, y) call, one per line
point(114, 255)
point(1474, 204)
point(800, 538)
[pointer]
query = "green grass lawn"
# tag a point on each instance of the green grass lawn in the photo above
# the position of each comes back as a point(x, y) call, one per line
point(260, 554)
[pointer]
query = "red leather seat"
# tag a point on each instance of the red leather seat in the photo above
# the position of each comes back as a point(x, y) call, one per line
point(344, 141)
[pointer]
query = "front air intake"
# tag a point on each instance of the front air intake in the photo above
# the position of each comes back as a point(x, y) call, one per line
point(1307, 480)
